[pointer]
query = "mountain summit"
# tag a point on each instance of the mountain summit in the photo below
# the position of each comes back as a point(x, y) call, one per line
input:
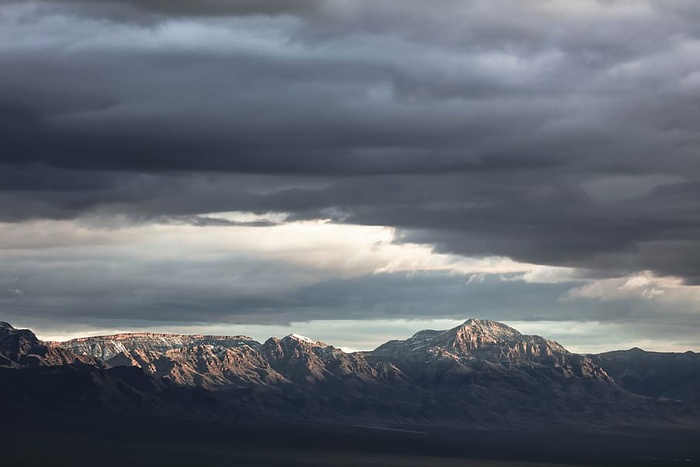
point(482, 340)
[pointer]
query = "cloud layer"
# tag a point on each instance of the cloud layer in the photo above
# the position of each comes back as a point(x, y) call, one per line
point(560, 134)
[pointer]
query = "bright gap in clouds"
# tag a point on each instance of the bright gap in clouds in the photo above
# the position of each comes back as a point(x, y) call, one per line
point(118, 266)
point(323, 246)
point(242, 273)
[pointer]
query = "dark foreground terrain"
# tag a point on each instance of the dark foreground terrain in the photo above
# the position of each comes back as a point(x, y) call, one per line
point(57, 438)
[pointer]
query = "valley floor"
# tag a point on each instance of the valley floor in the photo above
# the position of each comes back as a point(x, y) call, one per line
point(69, 439)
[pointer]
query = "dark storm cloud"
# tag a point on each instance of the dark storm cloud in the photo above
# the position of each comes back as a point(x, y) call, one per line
point(207, 221)
point(120, 9)
point(219, 7)
point(484, 128)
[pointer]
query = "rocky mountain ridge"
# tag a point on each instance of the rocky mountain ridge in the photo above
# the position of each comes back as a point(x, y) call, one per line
point(221, 361)
point(479, 372)
point(38, 376)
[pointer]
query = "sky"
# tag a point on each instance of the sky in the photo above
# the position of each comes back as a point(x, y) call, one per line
point(353, 170)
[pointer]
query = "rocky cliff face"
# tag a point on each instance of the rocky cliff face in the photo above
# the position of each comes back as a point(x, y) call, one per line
point(21, 348)
point(210, 362)
point(107, 347)
point(303, 360)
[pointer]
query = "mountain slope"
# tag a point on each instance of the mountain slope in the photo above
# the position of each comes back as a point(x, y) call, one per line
point(655, 374)
point(21, 348)
point(38, 376)
point(490, 371)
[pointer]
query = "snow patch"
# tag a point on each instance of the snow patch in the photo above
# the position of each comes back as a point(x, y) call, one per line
point(301, 338)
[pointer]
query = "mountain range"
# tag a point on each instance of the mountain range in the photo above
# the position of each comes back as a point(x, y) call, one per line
point(481, 373)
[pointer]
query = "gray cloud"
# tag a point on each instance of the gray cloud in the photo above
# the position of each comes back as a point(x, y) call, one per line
point(553, 133)
point(140, 11)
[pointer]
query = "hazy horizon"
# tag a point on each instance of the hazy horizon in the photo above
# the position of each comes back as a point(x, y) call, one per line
point(352, 336)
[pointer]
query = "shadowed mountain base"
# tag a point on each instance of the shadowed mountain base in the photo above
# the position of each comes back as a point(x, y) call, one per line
point(60, 438)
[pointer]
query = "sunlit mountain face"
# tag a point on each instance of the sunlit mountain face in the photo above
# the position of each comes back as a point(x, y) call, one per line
point(181, 180)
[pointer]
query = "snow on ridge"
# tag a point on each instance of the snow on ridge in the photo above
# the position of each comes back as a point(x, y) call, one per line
point(299, 337)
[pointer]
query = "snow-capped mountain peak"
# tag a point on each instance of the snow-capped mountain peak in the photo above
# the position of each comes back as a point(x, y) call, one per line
point(475, 338)
point(301, 338)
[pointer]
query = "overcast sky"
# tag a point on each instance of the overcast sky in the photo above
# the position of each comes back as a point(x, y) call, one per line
point(355, 170)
